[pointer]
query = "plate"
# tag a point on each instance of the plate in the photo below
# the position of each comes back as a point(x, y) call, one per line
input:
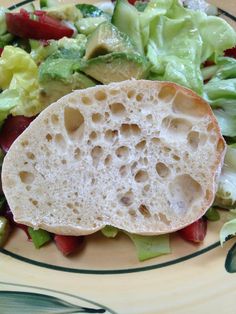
point(106, 277)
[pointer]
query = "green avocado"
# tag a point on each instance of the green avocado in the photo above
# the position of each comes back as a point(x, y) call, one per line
point(58, 77)
point(116, 67)
point(106, 39)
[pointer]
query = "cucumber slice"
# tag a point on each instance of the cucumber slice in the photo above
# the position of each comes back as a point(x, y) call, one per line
point(87, 25)
point(230, 262)
point(48, 3)
point(126, 19)
point(89, 10)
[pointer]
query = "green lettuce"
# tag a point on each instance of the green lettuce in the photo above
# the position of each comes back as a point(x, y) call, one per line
point(146, 246)
point(19, 82)
point(220, 92)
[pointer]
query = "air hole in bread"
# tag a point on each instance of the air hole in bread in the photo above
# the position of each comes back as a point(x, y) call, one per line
point(162, 170)
point(132, 212)
point(114, 92)
point(139, 97)
point(144, 210)
point(133, 167)
point(107, 116)
point(111, 135)
point(164, 219)
point(69, 205)
point(146, 188)
point(140, 146)
point(210, 127)
point(130, 129)
point(123, 170)
point(177, 127)
point(108, 161)
point(86, 100)
point(25, 143)
point(166, 149)
point(96, 154)
point(176, 157)
point(193, 139)
point(131, 93)
point(49, 137)
point(93, 135)
point(77, 153)
point(64, 162)
point(100, 95)
point(117, 109)
point(97, 117)
point(167, 93)
point(127, 199)
point(55, 119)
point(141, 176)
point(208, 195)
point(149, 117)
point(155, 140)
point(75, 211)
point(60, 141)
point(184, 191)
point(143, 161)
point(122, 152)
point(73, 120)
point(30, 155)
point(26, 177)
point(188, 106)
point(28, 187)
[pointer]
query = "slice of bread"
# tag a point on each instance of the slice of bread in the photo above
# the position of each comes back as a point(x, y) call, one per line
point(142, 156)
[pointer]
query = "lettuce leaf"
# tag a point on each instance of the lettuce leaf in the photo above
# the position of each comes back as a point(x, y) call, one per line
point(180, 40)
point(19, 81)
point(146, 246)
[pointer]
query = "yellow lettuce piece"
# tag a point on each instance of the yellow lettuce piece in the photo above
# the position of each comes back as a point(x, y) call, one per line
point(19, 73)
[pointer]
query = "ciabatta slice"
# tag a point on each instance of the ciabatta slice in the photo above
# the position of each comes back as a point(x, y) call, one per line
point(142, 156)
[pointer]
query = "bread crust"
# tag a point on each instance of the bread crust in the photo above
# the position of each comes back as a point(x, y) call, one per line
point(185, 113)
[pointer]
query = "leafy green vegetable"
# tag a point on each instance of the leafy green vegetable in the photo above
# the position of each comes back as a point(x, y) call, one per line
point(110, 232)
point(150, 246)
point(226, 193)
point(181, 40)
point(19, 81)
point(212, 214)
point(39, 237)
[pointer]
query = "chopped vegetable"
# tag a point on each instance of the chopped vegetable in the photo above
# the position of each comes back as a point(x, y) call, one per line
point(68, 244)
point(37, 25)
point(39, 237)
point(229, 228)
point(110, 232)
point(89, 10)
point(4, 230)
point(12, 128)
point(150, 246)
point(195, 232)
point(212, 214)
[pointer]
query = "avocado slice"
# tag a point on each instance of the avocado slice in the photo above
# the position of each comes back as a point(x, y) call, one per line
point(116, 67)
point(106, 39)
point(58, 77)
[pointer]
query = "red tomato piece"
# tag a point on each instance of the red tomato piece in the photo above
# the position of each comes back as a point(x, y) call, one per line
point(132, 1)
point(195, 232)
point(67, 244)
point(36, 25)
point(231, 53)
point(1, 51)
point(12, 128)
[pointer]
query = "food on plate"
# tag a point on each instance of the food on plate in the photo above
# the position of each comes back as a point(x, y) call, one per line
point(50, 50)
point(141, 156)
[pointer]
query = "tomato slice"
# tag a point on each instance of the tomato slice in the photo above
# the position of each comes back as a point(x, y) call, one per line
point(36, 25)
point(11, 129)
point(67, 244)
point(195, 232)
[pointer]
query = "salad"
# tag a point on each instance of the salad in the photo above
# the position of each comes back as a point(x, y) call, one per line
point(49, 51)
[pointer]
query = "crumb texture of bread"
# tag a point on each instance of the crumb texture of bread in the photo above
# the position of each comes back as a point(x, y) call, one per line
point(142, 156)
